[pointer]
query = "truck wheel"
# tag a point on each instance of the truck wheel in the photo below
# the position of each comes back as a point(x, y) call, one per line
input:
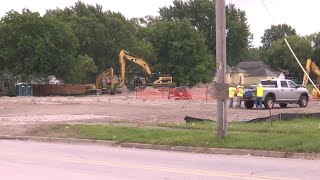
point(283, 105)
point(249, 104)
point(303, 101)
point(269, 102)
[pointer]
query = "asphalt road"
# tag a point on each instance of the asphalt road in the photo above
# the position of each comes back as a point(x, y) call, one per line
point(34, 160)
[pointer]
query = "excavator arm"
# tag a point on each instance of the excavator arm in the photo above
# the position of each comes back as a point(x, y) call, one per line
point(125, 55)
point(312, 67)
point(97, 86)
point(105, 74)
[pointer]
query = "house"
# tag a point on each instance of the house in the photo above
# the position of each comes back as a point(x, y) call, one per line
point(251, 72)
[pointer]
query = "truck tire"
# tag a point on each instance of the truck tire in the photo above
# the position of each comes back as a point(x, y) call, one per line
point(283, 105)
point(249, 104)
point(303, 101)
point(269, 102)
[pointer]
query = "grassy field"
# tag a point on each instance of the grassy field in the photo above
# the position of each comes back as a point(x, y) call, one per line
point(301, 135)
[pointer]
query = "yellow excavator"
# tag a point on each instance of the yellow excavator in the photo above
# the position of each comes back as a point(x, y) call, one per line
point(312, 67)
point(99, 87)
point(152, 79)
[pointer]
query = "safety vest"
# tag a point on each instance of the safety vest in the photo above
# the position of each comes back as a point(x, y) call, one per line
point(231, 91)
point(240, 92)
point(259, 91)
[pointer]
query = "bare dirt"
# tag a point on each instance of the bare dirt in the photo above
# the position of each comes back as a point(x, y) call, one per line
point(20, 112)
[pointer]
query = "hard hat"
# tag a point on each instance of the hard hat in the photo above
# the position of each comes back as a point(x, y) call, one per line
point(259, 84)
point(238, 86)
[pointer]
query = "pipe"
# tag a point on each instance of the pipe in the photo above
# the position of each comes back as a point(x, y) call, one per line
point(301, 65)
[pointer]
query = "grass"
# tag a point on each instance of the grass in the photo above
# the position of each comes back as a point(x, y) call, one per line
point(309, 87)
point(301, 135)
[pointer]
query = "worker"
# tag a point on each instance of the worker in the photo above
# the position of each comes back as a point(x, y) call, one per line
point(239, 95)
point(232, 91)
point(259, 95)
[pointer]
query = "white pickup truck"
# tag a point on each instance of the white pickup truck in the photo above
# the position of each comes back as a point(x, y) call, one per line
point(280, 91)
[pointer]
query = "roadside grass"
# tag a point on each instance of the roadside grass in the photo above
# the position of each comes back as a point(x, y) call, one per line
point(302, 135)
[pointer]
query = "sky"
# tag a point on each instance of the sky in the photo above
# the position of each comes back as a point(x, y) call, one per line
point(301, 15)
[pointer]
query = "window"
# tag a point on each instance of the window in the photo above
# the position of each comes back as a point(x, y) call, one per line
point(284, 84)
point(269, 83)
point(292, 84)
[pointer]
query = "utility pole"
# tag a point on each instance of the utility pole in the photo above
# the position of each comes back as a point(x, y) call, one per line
point(221, 67)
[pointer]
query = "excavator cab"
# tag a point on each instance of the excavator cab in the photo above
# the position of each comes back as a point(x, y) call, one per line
point(158, 79)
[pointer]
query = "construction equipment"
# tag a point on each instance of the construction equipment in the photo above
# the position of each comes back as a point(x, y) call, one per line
point(312, 67)
point(99, 87)
point(152, 79)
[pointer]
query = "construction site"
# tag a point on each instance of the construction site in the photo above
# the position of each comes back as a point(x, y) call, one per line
point(153, 100)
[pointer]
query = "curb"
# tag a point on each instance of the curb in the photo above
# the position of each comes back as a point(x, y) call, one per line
point(275, 154)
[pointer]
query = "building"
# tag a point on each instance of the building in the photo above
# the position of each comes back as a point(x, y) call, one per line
point(251, 72)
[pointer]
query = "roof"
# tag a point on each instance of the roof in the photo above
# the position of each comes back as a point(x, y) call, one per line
point(257, 68)
point(235, 70)
point(252, 65)
point(262, 72)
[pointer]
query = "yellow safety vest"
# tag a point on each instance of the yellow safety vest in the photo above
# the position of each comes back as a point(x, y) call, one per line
point(231, 92)
point(240, 92)
point(259, 91)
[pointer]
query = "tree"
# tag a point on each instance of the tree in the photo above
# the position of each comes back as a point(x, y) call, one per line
point(34, 46)
point(201, 14)
point(82, 70)
point(238, 35)
point(315, 45)
point(276, 32)
point(181, 50)
point(102, 34)
point(279, 56)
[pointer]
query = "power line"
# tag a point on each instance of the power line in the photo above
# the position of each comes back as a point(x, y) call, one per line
point(265, 6)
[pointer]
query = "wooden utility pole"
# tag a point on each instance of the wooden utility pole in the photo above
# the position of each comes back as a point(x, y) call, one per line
point(221, 66)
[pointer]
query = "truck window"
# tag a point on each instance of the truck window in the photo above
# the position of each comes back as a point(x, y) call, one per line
point(292, 84)
point(284, 84)
point(269, 83)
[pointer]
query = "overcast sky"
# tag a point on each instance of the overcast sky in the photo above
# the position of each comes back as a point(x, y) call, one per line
point(301, 15)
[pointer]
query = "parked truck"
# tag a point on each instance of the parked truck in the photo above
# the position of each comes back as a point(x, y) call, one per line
point(277, 91)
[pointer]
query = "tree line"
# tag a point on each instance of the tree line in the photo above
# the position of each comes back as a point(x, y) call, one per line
point(78, 42)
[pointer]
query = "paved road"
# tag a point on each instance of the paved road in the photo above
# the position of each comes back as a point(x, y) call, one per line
point(33, 160)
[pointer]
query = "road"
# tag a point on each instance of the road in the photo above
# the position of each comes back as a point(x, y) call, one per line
point(34, 160)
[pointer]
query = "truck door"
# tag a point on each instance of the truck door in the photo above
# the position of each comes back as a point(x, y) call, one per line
point(283, 91)
point(293, 94)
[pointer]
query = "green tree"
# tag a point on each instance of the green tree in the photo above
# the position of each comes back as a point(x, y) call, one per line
point(181, 50)
point(34, 46)
point(278, 54)
point(276, 32)
point(83, 69)
point(315, 44)
point(102, 34)
point(201, 14)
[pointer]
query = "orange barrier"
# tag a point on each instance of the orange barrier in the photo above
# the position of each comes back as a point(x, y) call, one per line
point(178, 93)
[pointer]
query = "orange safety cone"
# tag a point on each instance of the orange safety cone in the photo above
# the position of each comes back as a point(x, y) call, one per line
point(137, 124)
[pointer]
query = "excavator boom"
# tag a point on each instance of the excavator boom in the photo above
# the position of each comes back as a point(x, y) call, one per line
point(312, 67)
point(98, 86)
point(152, 78)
